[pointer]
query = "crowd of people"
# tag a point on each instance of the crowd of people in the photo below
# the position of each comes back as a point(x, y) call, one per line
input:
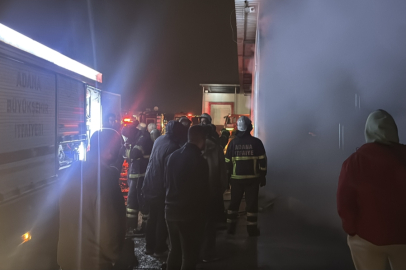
point(176, 185)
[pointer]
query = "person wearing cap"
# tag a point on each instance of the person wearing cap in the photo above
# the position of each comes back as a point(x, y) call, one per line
point(246, 162)
point(139, 157)
point(371, 197)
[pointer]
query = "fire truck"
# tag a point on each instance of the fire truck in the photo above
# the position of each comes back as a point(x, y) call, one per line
point(147, 116)
point(193, 118)
point(50, 105)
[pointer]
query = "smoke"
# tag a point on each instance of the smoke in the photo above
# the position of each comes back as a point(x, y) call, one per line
point(325, 65)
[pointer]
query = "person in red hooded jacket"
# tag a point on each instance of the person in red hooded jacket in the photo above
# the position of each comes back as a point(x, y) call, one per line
point(371, 197)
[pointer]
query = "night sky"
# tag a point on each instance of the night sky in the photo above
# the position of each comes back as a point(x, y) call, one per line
point(152, 52)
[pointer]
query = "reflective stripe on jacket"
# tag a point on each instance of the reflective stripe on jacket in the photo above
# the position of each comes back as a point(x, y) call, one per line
point(246, 158)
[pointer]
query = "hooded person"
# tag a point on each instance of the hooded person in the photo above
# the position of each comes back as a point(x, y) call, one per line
point(371, 197)
point(246, 163)
point(154, 189)
point(92, 209)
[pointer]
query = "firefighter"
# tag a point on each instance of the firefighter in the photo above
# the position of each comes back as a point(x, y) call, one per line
point(205, 119)
point(139, 157)
point(246, 162)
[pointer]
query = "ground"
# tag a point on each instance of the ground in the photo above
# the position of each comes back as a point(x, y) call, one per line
point(287, 241)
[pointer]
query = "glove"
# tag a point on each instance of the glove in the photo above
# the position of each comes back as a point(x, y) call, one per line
point(262, 183)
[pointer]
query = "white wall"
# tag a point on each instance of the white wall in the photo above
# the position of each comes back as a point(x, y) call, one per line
point(242, 106)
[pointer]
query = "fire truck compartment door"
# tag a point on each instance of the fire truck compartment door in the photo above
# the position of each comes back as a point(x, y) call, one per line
point(27, 127)
point(71, 116)
point(111, 103)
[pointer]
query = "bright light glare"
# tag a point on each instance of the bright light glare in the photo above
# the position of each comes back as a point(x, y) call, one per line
point(127, 120)
point(82, 151)
point(15, 39)
point(26, 237)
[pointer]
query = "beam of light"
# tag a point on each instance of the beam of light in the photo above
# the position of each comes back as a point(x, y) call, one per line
point(15, 39)
point(82, 151)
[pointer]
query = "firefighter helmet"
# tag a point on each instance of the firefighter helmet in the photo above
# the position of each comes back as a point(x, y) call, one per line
point(243, 123)
point(207, 116)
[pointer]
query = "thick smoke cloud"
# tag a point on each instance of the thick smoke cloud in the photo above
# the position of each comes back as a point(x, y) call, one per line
point(325, 64)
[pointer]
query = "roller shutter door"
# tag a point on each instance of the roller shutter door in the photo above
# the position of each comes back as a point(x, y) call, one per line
point(27, 127)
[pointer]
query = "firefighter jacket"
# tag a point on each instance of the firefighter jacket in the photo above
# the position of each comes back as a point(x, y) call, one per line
point(153, 187)
point(139, 155)
point(92, 217)
point(245, 157)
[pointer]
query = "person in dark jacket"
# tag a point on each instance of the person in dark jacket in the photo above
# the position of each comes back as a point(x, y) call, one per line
point(92, 209)
point(185, 128)
point(246, 161)
point(224, 137)
point(206, 120)
point(153, 131)
point(138, 157)
point(154, 189)
point(371, 197)
point(110, 121)
point(187, 197)
point(218, 183)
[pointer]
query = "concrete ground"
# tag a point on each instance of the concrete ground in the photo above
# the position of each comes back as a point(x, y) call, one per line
point(287, 241)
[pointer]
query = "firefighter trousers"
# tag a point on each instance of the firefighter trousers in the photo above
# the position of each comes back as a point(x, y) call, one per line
point(238, 187)
point(135, 202)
